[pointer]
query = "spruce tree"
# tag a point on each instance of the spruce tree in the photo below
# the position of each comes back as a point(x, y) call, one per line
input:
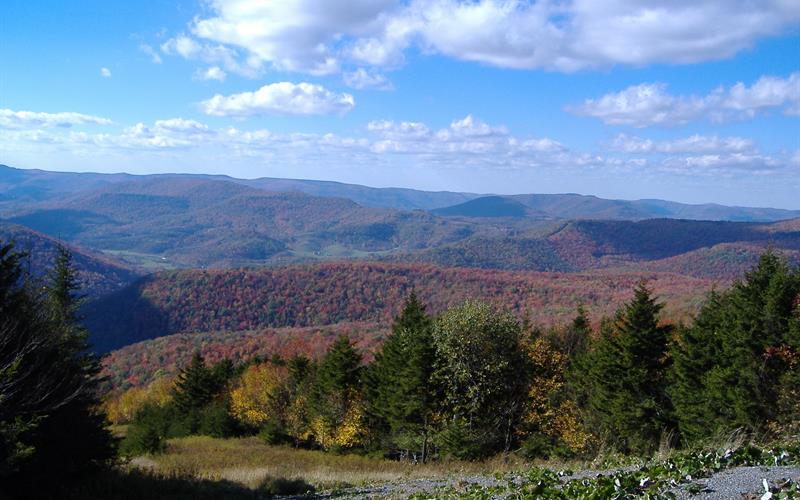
point(695, 352)
point(399, 380)
point(50, 392)
point(730, 367)
point(627, 368)
point(195, 386)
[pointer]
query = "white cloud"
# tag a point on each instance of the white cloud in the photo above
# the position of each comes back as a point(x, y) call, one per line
point(291, 35)
point(218, 55)
point(724, 163)
point(465, 144)
point(362, 79)
point(212, 73)
point(322, 36)
point(105, 72)
point(693, 144)
point(649, 104)
point(283, 98)
point(10, 119)
point(150, 51)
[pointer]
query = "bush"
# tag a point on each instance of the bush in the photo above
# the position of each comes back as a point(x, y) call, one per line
point(273, 433)
point(148, 431)
point(215, 421)
point(278, 486)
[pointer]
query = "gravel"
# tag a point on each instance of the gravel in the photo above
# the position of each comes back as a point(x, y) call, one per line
point(734, 483)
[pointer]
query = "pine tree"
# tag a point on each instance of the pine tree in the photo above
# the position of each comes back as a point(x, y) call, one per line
point(195, 386)
point(695, 352)
point(627, 371)
point(53, 390)
point(730, 366)
point(399, 380)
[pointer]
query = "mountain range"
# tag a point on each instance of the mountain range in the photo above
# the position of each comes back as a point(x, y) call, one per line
point(181, 254)
point(157, 222)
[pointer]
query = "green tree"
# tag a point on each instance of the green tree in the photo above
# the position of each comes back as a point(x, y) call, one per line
point(483, 371)
point(399, 383)
point(625, 379)
point(49, 406)
point(195, 386)
point(734, 363)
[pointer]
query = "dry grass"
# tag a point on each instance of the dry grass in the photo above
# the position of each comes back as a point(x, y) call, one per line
point(247, 461)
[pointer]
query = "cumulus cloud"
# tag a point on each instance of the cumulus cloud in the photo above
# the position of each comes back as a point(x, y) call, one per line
point(320, 36)
point(212, 73)
point(361, 79)
point(218, 55)
point(283, 98)
point(649, 104)
point(466, 143)
point(693, 144)
point(10, 119)
point(468, 135)
point(105, 72)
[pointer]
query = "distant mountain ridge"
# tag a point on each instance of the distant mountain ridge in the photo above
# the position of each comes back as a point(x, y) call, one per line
point(19, 186)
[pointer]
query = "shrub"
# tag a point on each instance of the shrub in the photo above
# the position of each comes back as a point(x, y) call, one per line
point(278, 486)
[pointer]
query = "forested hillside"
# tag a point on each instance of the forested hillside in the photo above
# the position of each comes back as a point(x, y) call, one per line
point(138, 364)
point(97, 275)
point(184, 221)
point(323, 294)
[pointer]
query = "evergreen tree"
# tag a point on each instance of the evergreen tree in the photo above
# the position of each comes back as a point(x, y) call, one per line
point(627, 388)
point(195, 386)
point(399, 380)
point(730, 366)
point(50, 397)
point(695, 352)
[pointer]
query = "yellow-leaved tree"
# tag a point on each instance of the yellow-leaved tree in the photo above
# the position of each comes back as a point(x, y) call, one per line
point(260, 395)
point(121, 407)
point(549, 413)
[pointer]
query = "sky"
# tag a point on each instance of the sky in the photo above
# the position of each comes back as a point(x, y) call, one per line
point(693, 101)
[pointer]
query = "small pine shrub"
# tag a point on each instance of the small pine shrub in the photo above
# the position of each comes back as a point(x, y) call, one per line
point(279, 486)
point(273, 433)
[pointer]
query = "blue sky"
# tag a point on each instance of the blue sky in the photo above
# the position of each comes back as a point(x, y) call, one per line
point(689, 101)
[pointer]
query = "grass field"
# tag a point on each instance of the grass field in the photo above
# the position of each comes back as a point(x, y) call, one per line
point(248, 461)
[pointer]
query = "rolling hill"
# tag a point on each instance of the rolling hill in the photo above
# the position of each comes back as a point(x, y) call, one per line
point(97, 275)
point(487, 206)
point(324, 294)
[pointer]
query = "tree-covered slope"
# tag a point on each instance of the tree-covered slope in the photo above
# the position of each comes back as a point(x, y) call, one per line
point(322, 294)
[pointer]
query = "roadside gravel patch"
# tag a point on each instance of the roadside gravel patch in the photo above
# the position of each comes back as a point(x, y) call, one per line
point(735, 483)
point(738, 482)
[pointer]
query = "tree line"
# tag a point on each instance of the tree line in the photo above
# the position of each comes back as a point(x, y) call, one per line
point(476, 381)
point(468, 383)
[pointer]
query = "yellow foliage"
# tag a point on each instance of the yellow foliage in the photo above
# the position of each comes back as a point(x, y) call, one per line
point(297, 416)
point(255, 399)
point(121, 407)
point(544, 414)
point(348, 433)
point(353, 429)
